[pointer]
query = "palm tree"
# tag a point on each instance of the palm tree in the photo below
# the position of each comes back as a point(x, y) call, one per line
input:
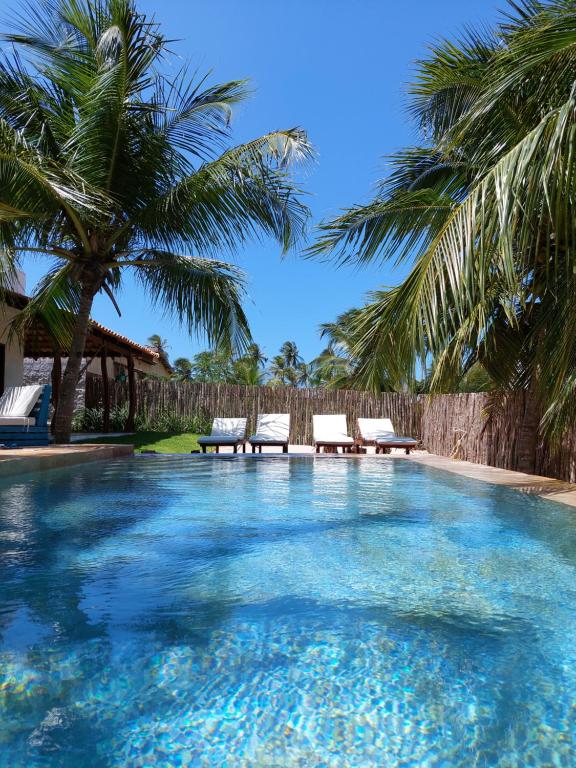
point(213, 366)
point(248, 368)
point(278, 371)
point(331, 369)
point(247, 371)
point(288, 367)
point(254, 352)
point(335, 366)
point(160, 346)
point(305, 375)
point(485, 206)
point(182, 368)
point(290, 353)
point(109, 166)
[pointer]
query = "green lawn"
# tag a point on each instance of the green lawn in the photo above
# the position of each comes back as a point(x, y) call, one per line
point(162, 442)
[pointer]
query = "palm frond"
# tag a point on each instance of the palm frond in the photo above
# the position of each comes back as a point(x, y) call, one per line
point(384, 229)
point(206, 295)
point(54, 304)
point(243, 193)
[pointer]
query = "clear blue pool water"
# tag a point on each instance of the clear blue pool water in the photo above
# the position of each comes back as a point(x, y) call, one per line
point(329, 613)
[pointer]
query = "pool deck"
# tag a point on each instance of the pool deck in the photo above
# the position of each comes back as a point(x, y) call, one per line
point(547, 487)
point(19, 460)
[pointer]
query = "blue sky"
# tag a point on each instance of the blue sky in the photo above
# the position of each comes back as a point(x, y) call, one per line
point(339, 69)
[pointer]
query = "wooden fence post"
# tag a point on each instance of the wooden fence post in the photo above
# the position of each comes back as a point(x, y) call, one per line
point(105, 392)
point(56, 381)
point(132, 396)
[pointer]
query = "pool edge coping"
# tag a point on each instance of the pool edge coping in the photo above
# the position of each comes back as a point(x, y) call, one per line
point(25, 461)
point(536, 485)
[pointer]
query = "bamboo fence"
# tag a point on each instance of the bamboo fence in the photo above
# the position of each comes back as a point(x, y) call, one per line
point(470, 427)
point(158, 396)
point(473, 427)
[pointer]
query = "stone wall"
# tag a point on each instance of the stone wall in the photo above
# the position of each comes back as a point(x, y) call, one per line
point(39, 371)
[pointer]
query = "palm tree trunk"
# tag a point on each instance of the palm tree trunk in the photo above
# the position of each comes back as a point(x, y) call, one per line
point(67, 395)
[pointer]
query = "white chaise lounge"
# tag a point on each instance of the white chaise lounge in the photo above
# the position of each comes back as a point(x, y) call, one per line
point(380, 432)
point(225, 432)
point(331, 432)
point(272, 429)
point(24, 416)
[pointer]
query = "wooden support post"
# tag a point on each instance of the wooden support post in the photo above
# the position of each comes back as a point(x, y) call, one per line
point(56, 380)
point(105, 392)
point(131, 395)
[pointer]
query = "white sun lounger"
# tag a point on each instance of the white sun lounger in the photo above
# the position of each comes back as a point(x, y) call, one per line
point(380, 432)
point(331, 432)
point(272, 429)
point(225, 432)
point(24, 416)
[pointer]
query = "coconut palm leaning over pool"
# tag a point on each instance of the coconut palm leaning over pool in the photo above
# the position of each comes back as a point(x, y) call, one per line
point(487, 202)
point(108, 166)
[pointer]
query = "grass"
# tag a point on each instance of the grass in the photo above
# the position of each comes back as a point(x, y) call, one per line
point(162, 442)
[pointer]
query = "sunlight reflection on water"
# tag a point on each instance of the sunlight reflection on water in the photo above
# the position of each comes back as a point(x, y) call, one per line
point(169, 611)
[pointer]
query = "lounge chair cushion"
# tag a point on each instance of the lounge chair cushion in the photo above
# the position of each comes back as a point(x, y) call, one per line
point(19, 401)
point(395, 439)
point(331, 430)
point(272, 428)
point(266, 439)
point(17, 421)
point(220, 440)
point(335, 440)
point(224, 427)
point(376, 429)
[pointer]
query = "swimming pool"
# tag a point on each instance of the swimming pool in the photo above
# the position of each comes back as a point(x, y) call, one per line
point(178, 612)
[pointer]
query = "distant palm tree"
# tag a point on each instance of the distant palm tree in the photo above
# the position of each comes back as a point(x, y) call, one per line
point(157, 343)
point(182, 368)
point(290, 353)
point(246, 371)
point(335, 365)
point(108, 166)
point(304, 374)
point(213, 366)
point(160, 346)
point(332, 368)
point(278, 371)
point(255, 353)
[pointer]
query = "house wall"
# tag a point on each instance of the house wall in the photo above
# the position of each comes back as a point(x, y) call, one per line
point(14, 362)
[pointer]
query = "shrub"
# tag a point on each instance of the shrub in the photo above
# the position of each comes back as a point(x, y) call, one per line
point(170, 421)
point(91, 420)
point(87, 420)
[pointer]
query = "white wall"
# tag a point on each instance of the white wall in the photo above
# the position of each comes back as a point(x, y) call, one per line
point(14, 369)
